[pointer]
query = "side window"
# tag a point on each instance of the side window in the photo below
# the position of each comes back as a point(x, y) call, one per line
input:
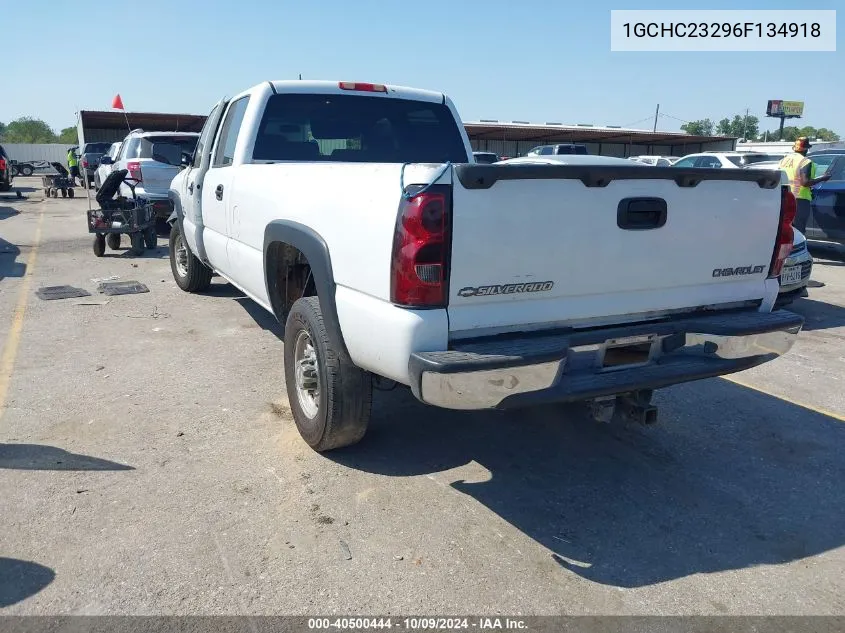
point(546, 150)
point(225, 151)
point(686, 162)
point(203, 142)
point(709, 162)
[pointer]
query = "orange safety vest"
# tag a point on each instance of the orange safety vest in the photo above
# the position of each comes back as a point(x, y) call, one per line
point(792, 164)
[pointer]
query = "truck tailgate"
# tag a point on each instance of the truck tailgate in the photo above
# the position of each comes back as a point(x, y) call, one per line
point(539, 245)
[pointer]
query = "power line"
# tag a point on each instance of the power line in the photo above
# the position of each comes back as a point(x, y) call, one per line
point(648, 118)
point(673, 117)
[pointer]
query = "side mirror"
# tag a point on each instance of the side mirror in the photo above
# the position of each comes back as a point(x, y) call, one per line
point(106, 160)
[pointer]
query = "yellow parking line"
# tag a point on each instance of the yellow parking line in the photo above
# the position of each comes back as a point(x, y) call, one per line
point(830, 414)
point(10, 349)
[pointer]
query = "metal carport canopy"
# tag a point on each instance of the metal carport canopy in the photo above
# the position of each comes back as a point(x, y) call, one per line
point(559, 133)
point(151, 121)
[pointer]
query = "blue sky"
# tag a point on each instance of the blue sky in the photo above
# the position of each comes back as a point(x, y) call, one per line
point(531, 60)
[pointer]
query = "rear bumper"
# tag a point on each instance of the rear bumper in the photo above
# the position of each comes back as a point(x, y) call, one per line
point(568, 366)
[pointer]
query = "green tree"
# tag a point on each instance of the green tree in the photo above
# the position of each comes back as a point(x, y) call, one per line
point(2, 129)
point(69, 135)
point(740, 126)
point(792, 132)
point(702, 127)
point(28, 130)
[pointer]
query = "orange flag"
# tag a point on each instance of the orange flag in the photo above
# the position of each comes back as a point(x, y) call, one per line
point(117, 102)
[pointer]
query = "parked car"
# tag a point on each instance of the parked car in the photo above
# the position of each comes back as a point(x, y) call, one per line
point(655, 161)
point(152, 160)
point(827, 220)
point(796, 271)
point(89, 160)
point(6, 175)
point(486, 158)
point(105, 168)
point(560, 148)
point(294, 196)
point(727, 160)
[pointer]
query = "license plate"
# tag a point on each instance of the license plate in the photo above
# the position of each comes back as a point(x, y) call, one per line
point(790, 275)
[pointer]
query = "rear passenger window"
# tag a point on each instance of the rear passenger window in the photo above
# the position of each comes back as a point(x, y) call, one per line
point(357, 128)
point(225, 151)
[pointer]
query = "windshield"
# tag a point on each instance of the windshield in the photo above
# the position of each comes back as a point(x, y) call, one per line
point(96, 148)
point(354, 128)
point(748, 159)
point(166, 149)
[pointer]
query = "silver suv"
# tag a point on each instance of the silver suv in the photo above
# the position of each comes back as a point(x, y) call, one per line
point(153, 159)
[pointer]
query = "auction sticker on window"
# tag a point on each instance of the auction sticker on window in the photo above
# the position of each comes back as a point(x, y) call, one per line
point(729, 30)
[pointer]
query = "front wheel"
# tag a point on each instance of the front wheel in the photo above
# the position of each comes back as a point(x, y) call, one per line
point(190, 274)
point(99, 245)
point(150, 238)
point(330, 399)
point(113, 240)
point(137, 243)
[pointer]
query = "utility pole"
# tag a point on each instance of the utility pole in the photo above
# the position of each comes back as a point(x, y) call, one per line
point(656, 112)
point(300, 76)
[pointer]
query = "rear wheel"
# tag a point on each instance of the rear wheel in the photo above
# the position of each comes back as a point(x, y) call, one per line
point(113, 240)
point(150, 237)
point(26, 170)
point(190, 274)
point(137, 241)
point(330, 399)
point(99, 245)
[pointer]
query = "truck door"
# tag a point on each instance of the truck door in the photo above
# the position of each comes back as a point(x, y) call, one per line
point(216, 186)
point(191, 185)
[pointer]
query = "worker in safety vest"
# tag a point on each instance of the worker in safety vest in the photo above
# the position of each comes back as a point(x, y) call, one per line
point(73, 165)
point(801, 172)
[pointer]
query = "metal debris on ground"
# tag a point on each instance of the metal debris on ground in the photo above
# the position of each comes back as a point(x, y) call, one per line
point(122, 288)
point(93, 302)
point(50, 293)
point(99, 280)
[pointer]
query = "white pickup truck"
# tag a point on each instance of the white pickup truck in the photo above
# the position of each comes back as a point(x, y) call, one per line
point(355, 214)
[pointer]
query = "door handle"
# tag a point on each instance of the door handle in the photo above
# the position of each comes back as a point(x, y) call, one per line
point(641, 214)
point(191, 188)
point(218, 193)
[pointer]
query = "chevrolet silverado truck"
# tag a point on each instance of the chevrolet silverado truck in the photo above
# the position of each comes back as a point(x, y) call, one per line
point(355, 214)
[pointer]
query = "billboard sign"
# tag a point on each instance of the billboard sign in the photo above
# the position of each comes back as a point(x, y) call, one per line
point(786, 109)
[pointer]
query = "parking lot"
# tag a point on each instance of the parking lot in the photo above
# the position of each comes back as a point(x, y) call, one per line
point(149, 465)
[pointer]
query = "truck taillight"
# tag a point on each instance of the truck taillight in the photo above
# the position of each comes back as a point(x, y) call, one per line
point(134, 169)
point(84, 163)
point(783, 245)
point(419, 276)
point(2, 164)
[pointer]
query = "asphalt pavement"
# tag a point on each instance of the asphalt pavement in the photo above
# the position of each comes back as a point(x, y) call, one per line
point(149, 465)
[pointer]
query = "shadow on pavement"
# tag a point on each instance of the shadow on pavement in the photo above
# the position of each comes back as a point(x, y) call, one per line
point(8, 212)
point(263, 318)
point(41, 457)
point(818, 315)
point(9, 266)
point(20, 579)
point(730, 479)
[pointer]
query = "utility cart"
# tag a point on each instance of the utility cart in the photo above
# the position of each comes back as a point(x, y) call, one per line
point(54, 183)
point(119, 215)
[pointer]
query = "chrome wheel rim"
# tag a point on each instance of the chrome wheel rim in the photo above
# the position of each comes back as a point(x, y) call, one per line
point(307, 375)
point(180, 257)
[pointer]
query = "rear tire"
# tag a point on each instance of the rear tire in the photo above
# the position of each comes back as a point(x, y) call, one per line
point(137, 241)
point(26, 170)
point(64, 193)
point(190, 274)
point(113, 241)
point(99, 245)
point(150, 238)
point(330, 399)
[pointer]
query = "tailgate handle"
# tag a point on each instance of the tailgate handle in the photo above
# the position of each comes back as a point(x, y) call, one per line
point(641, 214)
